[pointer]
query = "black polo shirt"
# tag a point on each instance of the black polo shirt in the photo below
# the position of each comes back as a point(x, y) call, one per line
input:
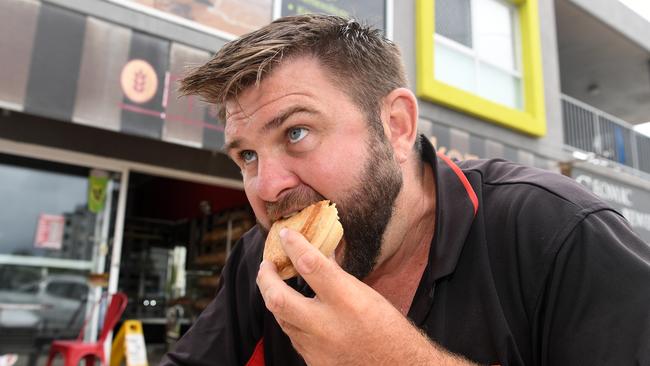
point(526, 268)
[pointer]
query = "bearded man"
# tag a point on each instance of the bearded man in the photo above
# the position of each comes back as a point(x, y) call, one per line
point(486, 262)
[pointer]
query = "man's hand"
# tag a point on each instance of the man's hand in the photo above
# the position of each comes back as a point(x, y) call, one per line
point(347, 323)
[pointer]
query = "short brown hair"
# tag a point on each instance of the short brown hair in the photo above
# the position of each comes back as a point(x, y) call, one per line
point(365, 64)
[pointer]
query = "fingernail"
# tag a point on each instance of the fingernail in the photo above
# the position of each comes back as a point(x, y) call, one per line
point(283, 232)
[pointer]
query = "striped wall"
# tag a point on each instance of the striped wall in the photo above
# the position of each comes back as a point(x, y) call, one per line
point(70, 67)
point(463, 145)
point(18, 21)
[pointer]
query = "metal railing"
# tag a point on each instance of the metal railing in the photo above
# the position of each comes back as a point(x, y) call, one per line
point(592, 130)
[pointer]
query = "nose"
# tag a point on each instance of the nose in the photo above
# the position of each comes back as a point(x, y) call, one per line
point(274, 176)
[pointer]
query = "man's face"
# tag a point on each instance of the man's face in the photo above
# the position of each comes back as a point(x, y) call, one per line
point(299, 139)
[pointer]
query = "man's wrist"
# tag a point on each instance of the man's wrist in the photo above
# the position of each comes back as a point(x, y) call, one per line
point(419, 349)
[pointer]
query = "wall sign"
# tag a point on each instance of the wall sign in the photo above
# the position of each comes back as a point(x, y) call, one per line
point(97, 184)
point(631, 202)
point(139, 81)
point(371, 11)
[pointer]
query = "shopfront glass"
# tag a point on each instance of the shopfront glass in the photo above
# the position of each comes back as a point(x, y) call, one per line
point(226, 17)
point(56, 228)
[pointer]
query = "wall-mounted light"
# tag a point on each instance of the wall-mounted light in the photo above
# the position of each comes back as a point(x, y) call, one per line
point(593, 89)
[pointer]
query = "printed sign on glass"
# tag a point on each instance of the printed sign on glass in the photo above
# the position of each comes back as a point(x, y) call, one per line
point(97, 183)
point(49, 231)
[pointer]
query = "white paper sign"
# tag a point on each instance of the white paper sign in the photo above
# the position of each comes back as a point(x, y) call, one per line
point(136, 352)
point(49, 231)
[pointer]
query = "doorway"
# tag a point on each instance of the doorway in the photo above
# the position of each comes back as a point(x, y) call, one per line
point(177, 236)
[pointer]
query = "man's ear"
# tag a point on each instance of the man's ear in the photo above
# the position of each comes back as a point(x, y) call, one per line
point(400, 118)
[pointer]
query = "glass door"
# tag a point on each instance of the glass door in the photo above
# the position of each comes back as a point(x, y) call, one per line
point(56, 232)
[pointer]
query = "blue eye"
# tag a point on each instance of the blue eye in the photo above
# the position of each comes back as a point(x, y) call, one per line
point(296, 134)
point(248, 156)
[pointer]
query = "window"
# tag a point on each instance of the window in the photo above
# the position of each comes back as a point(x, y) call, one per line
point(373, 12)
point(225, 18)
point(29, 289)
point(58, 289)
point(30, 189)
point(54, 230)
point(78, 291)
point(67, 290)
point(482, 57)
point(476, 49)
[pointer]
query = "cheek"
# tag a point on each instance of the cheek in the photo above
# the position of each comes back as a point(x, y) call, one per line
point(334, 173)
point(256, 203)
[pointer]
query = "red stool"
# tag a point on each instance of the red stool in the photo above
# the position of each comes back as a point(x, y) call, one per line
point(75, 351)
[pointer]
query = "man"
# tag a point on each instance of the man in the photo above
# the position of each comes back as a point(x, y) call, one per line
point(485, 262)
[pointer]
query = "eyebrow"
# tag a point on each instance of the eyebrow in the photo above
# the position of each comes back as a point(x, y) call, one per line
point(273, 124)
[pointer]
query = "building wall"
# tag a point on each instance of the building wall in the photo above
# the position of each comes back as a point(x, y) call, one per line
point(125, 25)
point(143, 22)
point(81, 68)
point(548, 147)
point(619, 17)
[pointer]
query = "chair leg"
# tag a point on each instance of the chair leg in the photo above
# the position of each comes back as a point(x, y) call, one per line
point(50, 357)
point(90, 360)
point(73, 359)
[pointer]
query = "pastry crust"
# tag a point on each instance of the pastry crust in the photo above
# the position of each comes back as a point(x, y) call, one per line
point(318, 223)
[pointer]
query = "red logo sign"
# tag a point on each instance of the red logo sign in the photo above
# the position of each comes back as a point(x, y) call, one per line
point(139, 81)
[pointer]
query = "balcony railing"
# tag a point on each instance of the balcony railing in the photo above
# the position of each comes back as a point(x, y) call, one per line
point(592, 130)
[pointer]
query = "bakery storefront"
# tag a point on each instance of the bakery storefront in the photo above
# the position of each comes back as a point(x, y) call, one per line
point(108, 181)
point(75, 228)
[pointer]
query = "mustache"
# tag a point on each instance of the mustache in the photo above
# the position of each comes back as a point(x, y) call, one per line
point(294, 200)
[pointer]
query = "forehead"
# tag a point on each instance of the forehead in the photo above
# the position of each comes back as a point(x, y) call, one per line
point(299, 80)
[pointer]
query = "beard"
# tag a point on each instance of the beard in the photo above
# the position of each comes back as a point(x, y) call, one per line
point(367, 210)
point(364, 211)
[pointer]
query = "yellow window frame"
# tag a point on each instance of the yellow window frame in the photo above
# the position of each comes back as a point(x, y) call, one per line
point(530, 120)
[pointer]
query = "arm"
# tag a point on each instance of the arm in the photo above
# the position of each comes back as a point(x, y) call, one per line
point(347, 323)
point(596, 305)
point(227, 331)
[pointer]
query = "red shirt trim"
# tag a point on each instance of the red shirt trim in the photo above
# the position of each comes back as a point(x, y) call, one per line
point(463, 179)
point(257, 359)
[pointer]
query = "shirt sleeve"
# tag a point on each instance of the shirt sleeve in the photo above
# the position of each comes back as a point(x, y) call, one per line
point(229, 328)
point(596, 306)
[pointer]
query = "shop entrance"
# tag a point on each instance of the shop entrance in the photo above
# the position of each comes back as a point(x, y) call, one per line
point(177, 236)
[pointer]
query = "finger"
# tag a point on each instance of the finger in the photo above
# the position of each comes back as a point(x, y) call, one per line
point(286, 304)
point(327, 279)
point(297, 337)
point(291, 330)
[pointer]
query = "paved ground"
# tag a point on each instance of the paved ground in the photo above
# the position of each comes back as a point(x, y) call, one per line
point(154, 354)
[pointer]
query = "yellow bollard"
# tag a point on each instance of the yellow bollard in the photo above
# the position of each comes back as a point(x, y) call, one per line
point(129, 345)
